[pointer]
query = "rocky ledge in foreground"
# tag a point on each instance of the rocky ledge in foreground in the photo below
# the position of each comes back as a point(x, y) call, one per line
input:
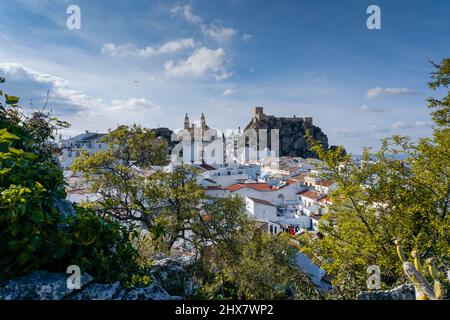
point(403, 292)
point(45, 285)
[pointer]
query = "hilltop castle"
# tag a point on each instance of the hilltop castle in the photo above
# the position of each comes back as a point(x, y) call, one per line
point(259, 115)
point(292, 131)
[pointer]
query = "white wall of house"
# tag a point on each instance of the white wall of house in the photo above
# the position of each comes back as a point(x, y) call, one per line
point(260, 211)
point(277, 196)
point(308, 266)
point(274, 228)
point(71, 148)
point(326, 189)
point(217, 193)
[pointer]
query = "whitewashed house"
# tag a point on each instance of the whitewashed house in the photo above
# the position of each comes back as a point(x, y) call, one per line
point(71, 148)
point(260, 209)
point(326, 186)
point(276, 194)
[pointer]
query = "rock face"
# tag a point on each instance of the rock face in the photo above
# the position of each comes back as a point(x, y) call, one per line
point(403, 292)
point(64, 207)
point(165, 134)
point(44, 285)
point(292, 133)
point(152, 292)
point(97, 292)
point(39, 285)
point(172, 273)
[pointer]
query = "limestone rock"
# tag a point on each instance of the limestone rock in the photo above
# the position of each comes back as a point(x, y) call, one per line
point(152, 292)
point(64, 207)
point(39, 285)
point(172, 273)
point(97, 292)
point(292, 133)
point(403, 292)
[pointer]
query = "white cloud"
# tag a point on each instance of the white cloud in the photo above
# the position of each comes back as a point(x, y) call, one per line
point(187, 12)
point(200, 62)
point(219, 34)
point(131, 50)
point(366, 108)
point(378, 91)
point(60, 90)
point(213, 31)
point(133, 104)
point(75, 101)
point(228, 92)
point(411, 125)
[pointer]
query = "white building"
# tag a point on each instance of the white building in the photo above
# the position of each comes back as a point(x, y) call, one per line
point(276, 194)
point(260, 209)
point(72, 147)
point(326, 186)
point(229, 175)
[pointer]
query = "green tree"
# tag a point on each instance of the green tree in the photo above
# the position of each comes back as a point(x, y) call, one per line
point(387, 199)
point(118, 174)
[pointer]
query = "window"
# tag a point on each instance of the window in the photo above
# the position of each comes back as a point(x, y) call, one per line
point(271, 229)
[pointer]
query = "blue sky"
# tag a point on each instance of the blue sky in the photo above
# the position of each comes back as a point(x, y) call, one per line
point(150, 62)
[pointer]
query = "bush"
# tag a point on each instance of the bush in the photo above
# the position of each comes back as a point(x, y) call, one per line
point(101, 247)
point(32, 233)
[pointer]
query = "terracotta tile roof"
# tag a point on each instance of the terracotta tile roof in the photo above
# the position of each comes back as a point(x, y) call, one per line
point(311, 194)
point(325, 200)
point(258, 186)
point(260, 201)
point(77, 191)
point(325, 183)
point(254, 186)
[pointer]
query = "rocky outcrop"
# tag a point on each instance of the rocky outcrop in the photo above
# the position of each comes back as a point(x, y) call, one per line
point(39, 285)
point(165, 134)
point(292, 133)
point(44, 285)
point(173, 274)
point(64, 207)
point(97, 292)
point(152, 292)
point(403, 292)
point(171, 281)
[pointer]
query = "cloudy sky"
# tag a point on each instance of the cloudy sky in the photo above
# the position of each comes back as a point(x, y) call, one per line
point(150, 62)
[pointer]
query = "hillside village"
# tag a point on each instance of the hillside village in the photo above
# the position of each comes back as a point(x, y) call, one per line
point(281, 194)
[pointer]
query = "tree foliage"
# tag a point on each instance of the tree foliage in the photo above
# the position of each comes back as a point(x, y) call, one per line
point(388, 199)
point(33, 233)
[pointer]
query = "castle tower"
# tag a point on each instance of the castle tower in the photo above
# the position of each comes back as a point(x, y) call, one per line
point(203, 121)
point(258, 113)
point(186, 122)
